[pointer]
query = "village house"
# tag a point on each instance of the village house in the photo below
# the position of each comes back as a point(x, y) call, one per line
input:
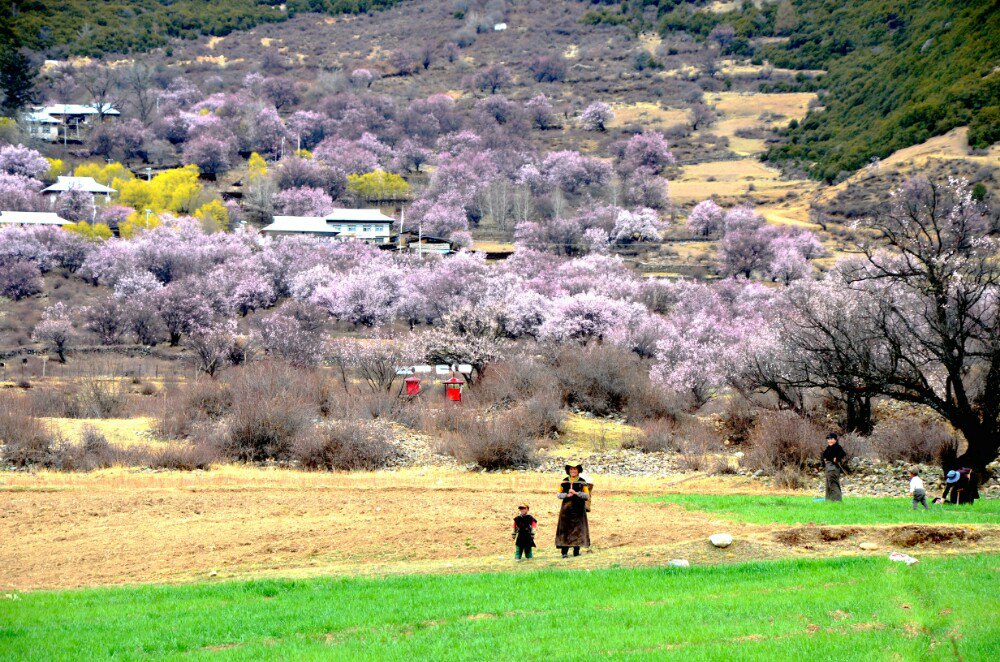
point(8, 218)
point(87, 184)
point(369, 225)
point(62, 121)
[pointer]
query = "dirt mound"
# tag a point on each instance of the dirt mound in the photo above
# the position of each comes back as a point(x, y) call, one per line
point(901, 536)
point(805, 535)
point(911, 536)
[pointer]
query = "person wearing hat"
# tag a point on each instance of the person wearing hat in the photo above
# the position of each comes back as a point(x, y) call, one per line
point(833, 465)
point(573, 530)
point(962, 486)
point(524, 532)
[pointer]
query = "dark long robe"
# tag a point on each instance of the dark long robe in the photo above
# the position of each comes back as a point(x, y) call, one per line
point(524, 528)
point(833, 458)
point(573, 530)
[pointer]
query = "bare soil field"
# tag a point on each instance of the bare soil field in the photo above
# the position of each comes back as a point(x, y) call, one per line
point(129, 527)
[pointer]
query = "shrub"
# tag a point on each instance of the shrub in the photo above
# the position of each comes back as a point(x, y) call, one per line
point(790, 478)
point(783, 439)
point(101, 398)
point(493, 443)
point(26, 441)
point(187, 457)
point(272, 408)
point(93, 452)
point(913, 440)
point(695, 441)
point(541, 415)
point(345, 445)
point(658, 436)
point(182, 411)
point(600, 379)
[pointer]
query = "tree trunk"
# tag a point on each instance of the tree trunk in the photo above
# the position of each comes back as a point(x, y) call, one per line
point(983, 448)
point(859, 412)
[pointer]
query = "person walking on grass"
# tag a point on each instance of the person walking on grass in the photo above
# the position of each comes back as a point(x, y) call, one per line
point(917, 489)
point(524, 532)
point(833, 465)
point(573, 530)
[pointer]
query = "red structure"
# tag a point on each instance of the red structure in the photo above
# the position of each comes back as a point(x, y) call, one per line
point(453, 388)
point(412, 385)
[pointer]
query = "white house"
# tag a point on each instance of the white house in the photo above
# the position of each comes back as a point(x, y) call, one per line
point(369, 225)
point(31, 218)
point(88, 184)
point(43, 127)
point(63, 120)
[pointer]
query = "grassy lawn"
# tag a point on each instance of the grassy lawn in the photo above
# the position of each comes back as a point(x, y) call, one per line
point(766, 509)
point(845, 609)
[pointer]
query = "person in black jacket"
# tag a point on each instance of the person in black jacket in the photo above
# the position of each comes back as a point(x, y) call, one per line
point(833, 465)
point(524, 532)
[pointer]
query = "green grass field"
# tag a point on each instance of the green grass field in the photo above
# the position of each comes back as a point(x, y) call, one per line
point(844, 609)
point(766, 509)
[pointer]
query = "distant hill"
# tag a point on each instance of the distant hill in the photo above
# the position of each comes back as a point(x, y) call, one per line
point(93, 28)
point(899, 71)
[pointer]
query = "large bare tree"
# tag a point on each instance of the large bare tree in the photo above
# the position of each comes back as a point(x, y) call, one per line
point(916, 319)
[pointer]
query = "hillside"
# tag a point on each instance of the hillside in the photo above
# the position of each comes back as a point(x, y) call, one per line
point(896, 73)
point(84, 27)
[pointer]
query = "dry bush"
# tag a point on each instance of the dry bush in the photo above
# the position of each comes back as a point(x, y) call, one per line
point(601, 379)
point(498, 442)
point(721, 466)
point(541, 415)
point(510, 382)
point(182, 410)
point(89, 398)
point(913, 440)
point(649, 402)
point(658, 436)
point(790, 478)
point(783, 439)
point(738, 419)
point(273, 406)
point(696, 440)
point(345, 445)
point(187, 457)
point(27, 442)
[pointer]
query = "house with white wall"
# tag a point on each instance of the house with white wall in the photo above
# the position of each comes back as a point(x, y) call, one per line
point(369, 225)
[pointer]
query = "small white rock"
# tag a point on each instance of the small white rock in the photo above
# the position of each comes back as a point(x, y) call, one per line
point(869, 546)
point(214, 573)
point(721, 539)
point(680, 563)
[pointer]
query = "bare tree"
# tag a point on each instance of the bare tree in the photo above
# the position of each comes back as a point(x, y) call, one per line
point(137, 82)
point(916, 319)
point(104, 86)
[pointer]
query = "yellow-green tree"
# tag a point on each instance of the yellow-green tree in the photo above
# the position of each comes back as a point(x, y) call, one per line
point(95, 232)
point(136, 222)
point(175, 190)
point(256, 166)
point(57, 167)
point(378, 185)
point(213, 216)
point(105, 173)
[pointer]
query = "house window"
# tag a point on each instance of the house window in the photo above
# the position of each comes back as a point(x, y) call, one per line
point(366, 228)
point(352, 228)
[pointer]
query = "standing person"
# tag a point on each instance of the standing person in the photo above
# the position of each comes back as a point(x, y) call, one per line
point(573, 530)
point(524, 532)
point(917, 489)
point(833, 464)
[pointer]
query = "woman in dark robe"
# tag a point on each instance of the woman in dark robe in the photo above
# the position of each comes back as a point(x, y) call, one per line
point(573, 529)
point(833, 465)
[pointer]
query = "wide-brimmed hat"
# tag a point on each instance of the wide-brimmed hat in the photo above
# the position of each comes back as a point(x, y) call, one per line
point(523, 505)
point(578, 467)
point(952, 477)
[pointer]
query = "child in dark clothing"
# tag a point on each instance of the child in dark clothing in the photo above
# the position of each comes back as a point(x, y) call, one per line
point(524, 532)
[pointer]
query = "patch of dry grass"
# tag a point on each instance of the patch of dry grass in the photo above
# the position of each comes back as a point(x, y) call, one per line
point(650, 115)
